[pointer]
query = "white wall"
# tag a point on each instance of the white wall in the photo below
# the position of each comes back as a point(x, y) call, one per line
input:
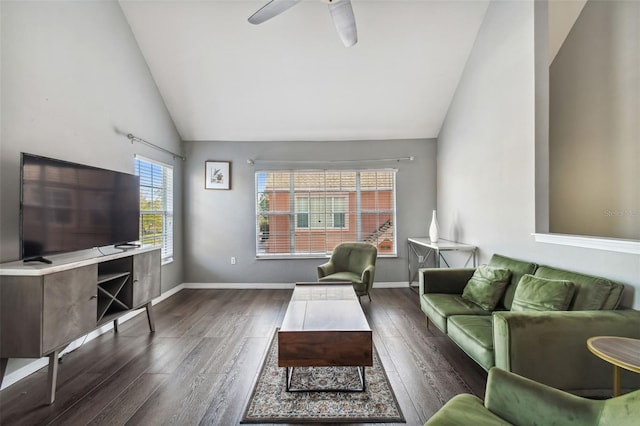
point(221, 224)
point(486, 155)
point(73, 83)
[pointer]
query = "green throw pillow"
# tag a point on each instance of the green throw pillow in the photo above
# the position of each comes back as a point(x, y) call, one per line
point(540, 294)
point(486, 286)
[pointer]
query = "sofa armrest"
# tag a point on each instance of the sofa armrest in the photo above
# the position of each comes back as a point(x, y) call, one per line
point(551, 347)
point(367, 275)
point(524, 402)
point(444, 280)
point(325, 269)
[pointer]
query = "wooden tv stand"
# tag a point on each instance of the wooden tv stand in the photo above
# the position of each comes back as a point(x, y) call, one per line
point(44, 307)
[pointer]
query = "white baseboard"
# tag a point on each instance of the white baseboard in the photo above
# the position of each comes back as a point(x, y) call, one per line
point(273, 286)
point(239, 286)
point(35, 365)
point(167, 294)
point(392, 284)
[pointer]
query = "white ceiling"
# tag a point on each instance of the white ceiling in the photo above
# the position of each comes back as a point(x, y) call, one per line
point(291, 78)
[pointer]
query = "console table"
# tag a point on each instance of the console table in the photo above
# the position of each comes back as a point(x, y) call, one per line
point(421, 249)
point(44, 307)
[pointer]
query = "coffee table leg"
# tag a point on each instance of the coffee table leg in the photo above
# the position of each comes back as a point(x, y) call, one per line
point(616, 380)
point(362, 379)
point(288, 378)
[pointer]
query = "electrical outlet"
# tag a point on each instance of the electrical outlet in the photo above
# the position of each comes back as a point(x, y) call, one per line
point(420, 259)
point(233, 260)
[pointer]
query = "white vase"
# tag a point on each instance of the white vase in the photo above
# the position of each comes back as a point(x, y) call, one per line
point(434, 234)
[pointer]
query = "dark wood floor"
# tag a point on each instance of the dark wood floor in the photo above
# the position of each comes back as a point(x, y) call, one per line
point(200, 364)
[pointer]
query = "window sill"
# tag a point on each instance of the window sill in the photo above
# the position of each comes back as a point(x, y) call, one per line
point(597, 243)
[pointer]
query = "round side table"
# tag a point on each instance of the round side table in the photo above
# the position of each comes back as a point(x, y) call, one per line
point(622, 352)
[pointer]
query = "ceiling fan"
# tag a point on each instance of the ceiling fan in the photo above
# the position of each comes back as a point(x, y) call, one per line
point(341, 12)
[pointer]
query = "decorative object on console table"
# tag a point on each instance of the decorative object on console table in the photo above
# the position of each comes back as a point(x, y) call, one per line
point(217, 175)
point(434, 232)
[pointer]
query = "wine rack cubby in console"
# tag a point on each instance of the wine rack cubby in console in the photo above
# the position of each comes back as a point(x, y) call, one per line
point(115, 289)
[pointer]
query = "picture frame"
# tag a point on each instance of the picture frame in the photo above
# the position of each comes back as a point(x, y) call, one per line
point(217, 174)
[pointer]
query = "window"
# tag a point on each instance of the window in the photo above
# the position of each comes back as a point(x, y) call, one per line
point(308, 212)
point(156, 205)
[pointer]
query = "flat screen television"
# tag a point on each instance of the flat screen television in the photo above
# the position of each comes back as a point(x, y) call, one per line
point(66, 207)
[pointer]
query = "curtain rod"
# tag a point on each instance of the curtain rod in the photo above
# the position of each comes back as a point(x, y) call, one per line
point(133, 139)
point(252, 161)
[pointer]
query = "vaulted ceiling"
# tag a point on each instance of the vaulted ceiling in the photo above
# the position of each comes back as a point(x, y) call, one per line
point(291, 78)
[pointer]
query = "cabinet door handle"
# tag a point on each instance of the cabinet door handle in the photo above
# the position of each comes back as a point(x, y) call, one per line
point(95, 296)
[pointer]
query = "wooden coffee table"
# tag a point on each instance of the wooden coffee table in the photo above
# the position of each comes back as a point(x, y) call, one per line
point(324, 326)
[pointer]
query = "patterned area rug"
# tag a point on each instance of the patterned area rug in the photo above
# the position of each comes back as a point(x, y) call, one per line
point(271, 403)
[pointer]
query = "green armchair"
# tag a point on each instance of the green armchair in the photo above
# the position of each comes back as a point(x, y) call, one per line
point(353, 262)
point(511, 399)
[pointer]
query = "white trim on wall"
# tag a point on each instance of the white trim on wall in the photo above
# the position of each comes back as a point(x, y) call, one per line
point(608, 244)
point(274, 286)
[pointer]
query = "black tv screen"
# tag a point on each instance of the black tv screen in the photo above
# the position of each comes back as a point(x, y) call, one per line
point(66, 206)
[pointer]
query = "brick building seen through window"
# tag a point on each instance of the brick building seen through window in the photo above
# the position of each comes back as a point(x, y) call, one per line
point(309, 212)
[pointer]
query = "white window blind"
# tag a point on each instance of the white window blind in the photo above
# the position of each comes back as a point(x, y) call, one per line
point(309, 212)
point(156, 205)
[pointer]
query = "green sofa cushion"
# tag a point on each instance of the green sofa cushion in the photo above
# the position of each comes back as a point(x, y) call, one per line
point(465, 409)
point(592, 293)
point(359, 286)
point(518, 268)
point(540, 294)
point(486, 286)
point(342, 276)
point(440, 306)
point(474, 334)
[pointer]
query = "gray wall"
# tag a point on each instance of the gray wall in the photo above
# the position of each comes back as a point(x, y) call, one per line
point(594, 125)
point(486, 155)
point(73, 84)
point(221, 224)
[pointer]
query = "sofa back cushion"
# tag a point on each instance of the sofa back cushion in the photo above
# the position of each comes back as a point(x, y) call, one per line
point(518, 268)
point(540, 294)
point(353, 257)
point(486, 286)
point(592, 293)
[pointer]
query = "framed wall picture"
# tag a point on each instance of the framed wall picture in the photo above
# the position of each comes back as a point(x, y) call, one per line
point(217, 175)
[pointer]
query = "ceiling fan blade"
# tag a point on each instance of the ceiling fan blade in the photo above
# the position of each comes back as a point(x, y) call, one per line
point(271, 9)
point(345, 21)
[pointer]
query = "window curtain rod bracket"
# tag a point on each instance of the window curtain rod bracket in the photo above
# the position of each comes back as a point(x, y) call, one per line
point(134, 138)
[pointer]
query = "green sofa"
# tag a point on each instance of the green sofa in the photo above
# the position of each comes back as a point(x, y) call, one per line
point(514, 400)
point(549, 346)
